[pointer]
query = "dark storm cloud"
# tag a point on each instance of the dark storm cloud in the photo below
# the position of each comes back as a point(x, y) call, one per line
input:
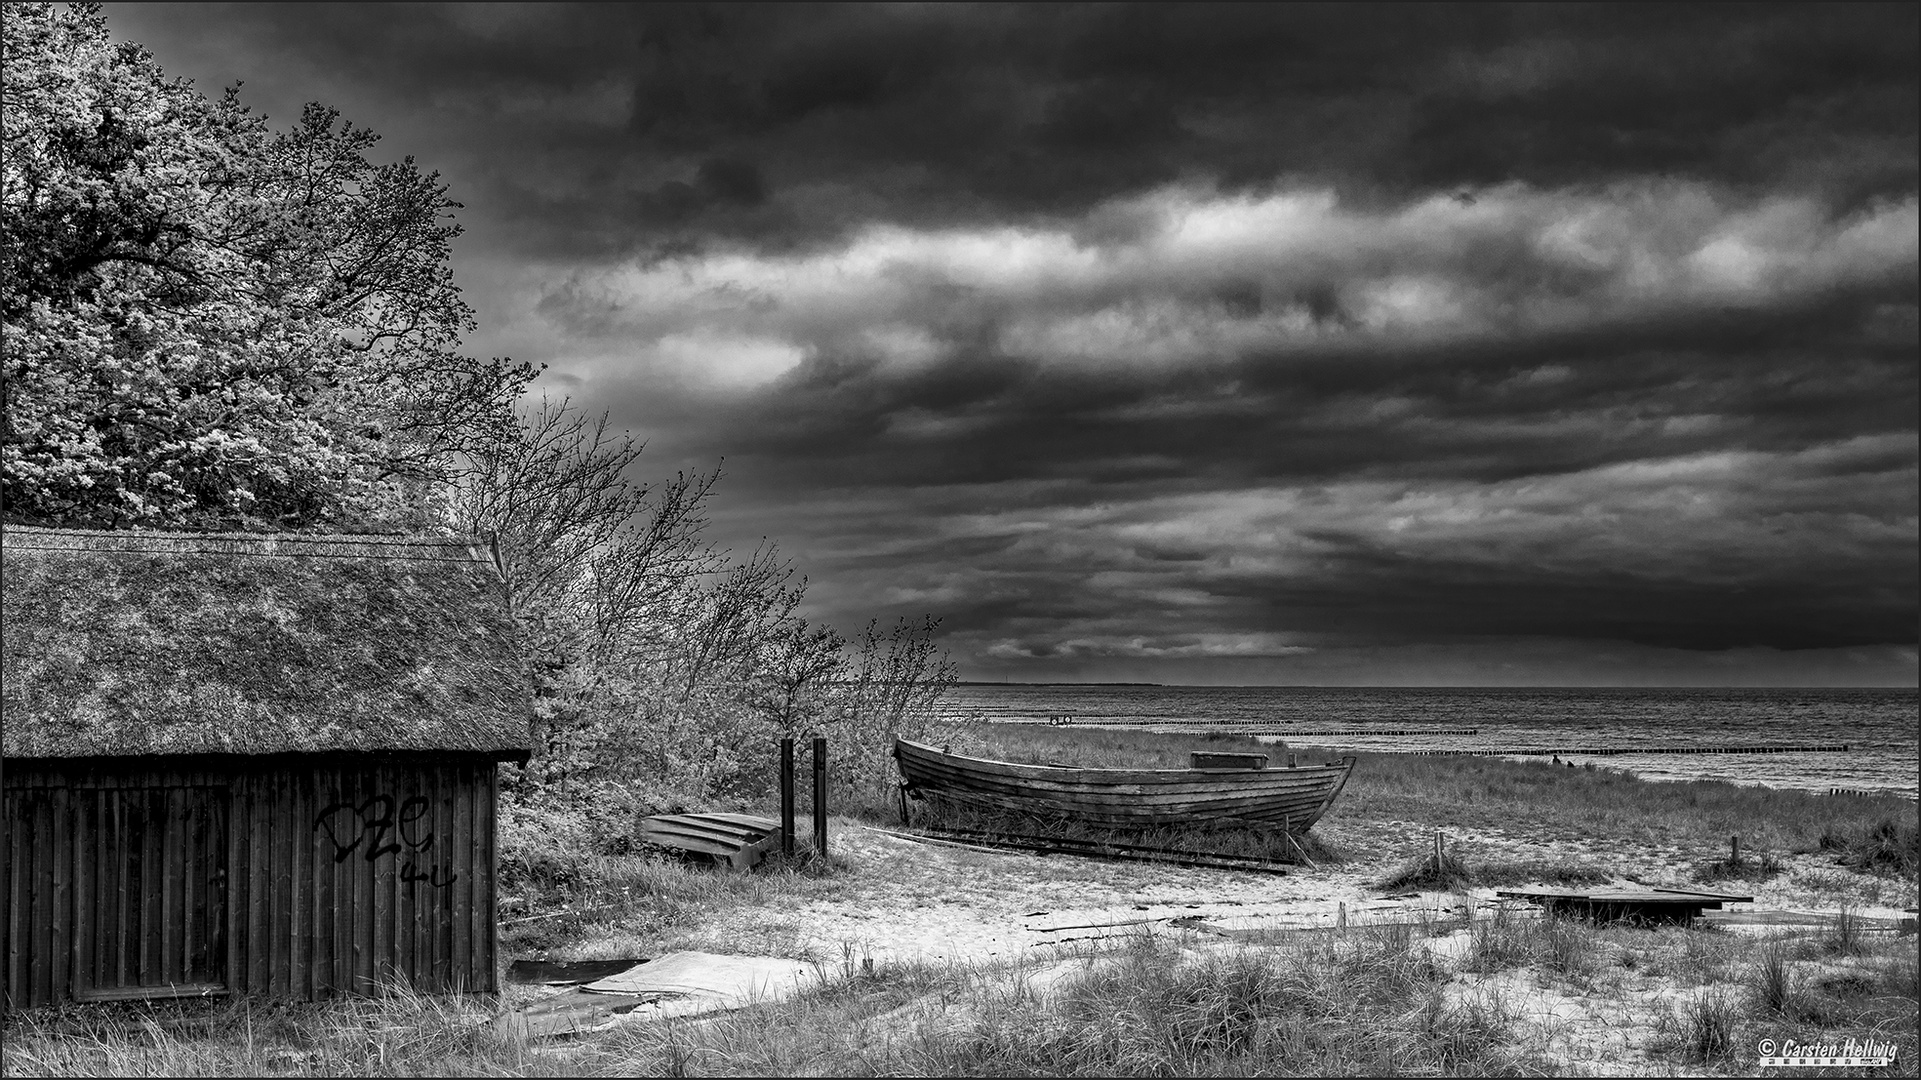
point(1592, 415)
point(923, 114)
point(1216, 340)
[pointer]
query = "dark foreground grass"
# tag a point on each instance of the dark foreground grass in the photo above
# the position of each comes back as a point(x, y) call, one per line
point(1369, 1001)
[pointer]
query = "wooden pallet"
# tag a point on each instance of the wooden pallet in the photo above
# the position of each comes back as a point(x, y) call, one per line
point(738, 840)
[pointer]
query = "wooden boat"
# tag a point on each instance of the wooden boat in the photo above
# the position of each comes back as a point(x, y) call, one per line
point(1291, 799)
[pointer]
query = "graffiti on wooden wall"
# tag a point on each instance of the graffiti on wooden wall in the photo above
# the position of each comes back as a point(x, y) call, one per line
point(381, 826)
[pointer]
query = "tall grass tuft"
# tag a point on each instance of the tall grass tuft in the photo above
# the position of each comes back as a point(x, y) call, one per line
point(1704, 1026)
point(1775, 992)
point(1499, 941)
point(1845, 934)
point(1566, 947)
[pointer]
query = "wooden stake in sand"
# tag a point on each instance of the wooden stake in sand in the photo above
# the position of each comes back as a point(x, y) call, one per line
point(787, 798)
point(1300, 850)
point(820, 796)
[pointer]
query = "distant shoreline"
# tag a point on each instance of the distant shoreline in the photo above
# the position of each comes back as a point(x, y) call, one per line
point(1175, 686)
point(1442, 687)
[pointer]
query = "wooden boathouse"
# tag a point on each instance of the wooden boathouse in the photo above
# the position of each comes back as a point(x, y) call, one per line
point(250, 764)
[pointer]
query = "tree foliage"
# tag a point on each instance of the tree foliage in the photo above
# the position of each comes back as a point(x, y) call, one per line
point(206, 322)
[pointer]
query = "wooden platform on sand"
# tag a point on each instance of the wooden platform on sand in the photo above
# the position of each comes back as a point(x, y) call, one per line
point(1629, 905)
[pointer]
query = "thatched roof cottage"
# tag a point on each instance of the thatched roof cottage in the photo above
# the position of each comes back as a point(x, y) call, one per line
point(260, 764)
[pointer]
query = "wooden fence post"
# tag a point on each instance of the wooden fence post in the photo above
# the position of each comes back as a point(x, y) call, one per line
point(787, 798)
point(820, 796)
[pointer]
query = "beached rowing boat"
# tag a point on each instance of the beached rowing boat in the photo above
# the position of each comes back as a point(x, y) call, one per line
point(1292, 799)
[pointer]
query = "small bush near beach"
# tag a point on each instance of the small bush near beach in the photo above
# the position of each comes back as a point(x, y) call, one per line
point(1887, 846)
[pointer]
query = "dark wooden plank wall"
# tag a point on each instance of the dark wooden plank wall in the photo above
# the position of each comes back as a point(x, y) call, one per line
point(160, 851)
point(341, 877)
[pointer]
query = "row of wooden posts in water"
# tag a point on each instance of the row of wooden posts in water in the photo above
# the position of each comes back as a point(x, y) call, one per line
point(1532, 751)
point(1611, 751)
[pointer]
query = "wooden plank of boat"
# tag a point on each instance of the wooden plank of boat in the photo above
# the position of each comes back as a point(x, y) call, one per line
point(1299, 810)
point(1257, 808)
point(1292, 798)
point(1202, 801)
point(984, 769)
point(1184, 784)
point(1008, 771)
point(1252, 793)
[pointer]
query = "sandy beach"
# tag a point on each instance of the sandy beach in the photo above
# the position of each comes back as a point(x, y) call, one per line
point(908, 901)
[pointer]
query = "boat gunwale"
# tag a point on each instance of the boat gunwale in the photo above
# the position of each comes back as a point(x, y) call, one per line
point(1081, 774)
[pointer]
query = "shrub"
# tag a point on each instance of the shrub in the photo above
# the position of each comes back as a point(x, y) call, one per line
point(1444, 870)
point(1761, 867)
point(1887, 847)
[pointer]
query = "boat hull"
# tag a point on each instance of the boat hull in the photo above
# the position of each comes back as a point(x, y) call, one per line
point(1290, 799)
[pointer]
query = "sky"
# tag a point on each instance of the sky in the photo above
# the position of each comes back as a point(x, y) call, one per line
point(1365, 345)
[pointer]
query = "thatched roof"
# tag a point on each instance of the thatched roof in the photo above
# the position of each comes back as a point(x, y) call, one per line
point(175, 643)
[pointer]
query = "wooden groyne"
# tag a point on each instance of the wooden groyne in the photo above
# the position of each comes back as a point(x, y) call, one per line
point(1870, 793)
point(1383, 731)
point(1175, 727)
point(1611, 751)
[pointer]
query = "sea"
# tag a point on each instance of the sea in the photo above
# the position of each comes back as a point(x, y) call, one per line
point(1659, 733)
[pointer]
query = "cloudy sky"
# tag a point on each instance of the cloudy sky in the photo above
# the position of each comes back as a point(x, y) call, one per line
point(1219, 345)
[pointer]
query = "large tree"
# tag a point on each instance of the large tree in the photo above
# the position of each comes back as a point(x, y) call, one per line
point(206, 322)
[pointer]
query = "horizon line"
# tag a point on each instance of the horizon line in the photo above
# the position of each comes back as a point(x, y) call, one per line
point(1451, 686)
